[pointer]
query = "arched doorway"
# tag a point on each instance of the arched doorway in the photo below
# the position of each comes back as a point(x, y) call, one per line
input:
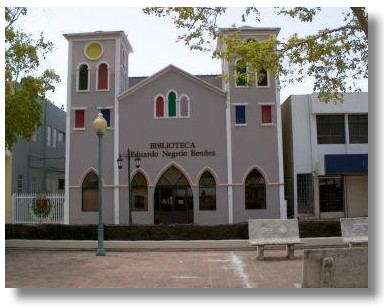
point(173, 199)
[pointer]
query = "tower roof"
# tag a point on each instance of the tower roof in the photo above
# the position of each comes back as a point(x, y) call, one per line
point(99, 35)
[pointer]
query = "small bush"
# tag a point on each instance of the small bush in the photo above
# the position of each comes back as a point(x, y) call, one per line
point(157, 232)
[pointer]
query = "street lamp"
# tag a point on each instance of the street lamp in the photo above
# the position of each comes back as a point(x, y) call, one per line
point(100, 126)
point(120, 165)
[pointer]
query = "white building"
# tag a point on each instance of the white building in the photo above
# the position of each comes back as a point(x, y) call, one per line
point(325, 150)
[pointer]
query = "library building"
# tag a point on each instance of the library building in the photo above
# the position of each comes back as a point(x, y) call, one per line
point(179, 148)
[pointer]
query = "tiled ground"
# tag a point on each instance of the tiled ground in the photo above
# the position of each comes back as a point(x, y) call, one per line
point(187, 269)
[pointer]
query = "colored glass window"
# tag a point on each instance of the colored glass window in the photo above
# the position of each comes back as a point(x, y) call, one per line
point(102, 77)
point(79, 119)
point(94, 51)
point(266, 114)
point(241, 74)
point(240, 115)
point(172, 104)
point(184, 107)
point(83, 77)
point(160, 107)
point(107, 116)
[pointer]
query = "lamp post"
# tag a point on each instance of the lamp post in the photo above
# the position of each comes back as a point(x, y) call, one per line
point(120, 165)
point(100, 126)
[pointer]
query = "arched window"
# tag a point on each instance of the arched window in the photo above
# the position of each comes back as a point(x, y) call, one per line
point(139, 193)
point(184, 106)
point(255, 197)
point(241, 73)
point(159, 107)
point(83, 78)
point(207, 192)
point(262, 78)
point(172, 104)
point(102, 77)
point(90, 192)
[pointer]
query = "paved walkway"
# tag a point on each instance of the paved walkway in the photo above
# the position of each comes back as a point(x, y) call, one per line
point(151, 269)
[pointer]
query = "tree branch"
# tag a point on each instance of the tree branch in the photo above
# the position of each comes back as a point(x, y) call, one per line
point(319, 35)
point(362, 18)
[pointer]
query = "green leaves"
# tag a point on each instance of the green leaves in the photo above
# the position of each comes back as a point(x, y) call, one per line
point(335, 58)
point(25, 85)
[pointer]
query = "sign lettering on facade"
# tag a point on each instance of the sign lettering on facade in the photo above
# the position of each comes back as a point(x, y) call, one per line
point(173, 150)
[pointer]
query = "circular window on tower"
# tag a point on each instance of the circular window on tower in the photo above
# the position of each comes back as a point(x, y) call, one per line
point(93, 51)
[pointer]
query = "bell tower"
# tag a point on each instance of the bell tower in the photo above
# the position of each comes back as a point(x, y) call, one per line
point(97, 75)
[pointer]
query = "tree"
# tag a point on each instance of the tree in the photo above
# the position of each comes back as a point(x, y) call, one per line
point(25, 87)
point(336, 58)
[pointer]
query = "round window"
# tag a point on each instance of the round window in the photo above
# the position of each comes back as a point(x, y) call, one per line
point(93, 51)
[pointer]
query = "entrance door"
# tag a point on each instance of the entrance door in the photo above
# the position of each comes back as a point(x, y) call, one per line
point(173, 199)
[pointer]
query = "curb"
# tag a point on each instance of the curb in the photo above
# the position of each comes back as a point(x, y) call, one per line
point(164, 245)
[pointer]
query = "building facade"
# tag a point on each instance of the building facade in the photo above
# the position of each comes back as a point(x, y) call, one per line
point(38, 164)
point(210, 147)
point(326, 156)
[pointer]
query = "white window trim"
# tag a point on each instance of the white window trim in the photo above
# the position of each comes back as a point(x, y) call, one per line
point(246, 122)
point(49, 136)
point(267, 104)
point(165, 107)
point(75, 109)
point(90, 43)
point(78, 77)
point(268, 82)
point(97, 77)
point(54, 137)
point(179, 107)
point(99, 108)
point(79, 108)
point(246, 68)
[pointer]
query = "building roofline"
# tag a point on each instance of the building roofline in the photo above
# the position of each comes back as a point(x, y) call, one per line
point(165, 70)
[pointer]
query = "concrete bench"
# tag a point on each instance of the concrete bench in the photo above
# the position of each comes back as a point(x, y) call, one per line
point(355, 231)
point(335, 268)
point(264, 232)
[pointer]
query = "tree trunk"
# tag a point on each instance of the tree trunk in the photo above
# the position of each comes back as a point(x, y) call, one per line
point(361, 18)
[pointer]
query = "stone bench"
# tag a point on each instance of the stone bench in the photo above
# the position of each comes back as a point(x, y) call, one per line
point(354, 231)
point(335, 268)
point(264, 232)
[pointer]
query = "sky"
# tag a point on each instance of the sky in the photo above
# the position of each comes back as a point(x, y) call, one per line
point(154, 39)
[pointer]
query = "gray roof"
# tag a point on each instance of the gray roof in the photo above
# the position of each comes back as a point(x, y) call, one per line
point(214, 80)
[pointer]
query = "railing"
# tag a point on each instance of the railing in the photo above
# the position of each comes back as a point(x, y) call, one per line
point(32, 208)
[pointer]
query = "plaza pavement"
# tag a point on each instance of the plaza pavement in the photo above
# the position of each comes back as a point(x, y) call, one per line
point(170, 264)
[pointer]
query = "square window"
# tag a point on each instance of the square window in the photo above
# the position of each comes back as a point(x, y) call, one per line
point(266, 114)
point(79, 119)
point(107, 116)
point(358, 128)
point(330, 129)
point(240, 115)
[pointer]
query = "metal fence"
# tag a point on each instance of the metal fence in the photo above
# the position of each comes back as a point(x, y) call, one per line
point(33, 208)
